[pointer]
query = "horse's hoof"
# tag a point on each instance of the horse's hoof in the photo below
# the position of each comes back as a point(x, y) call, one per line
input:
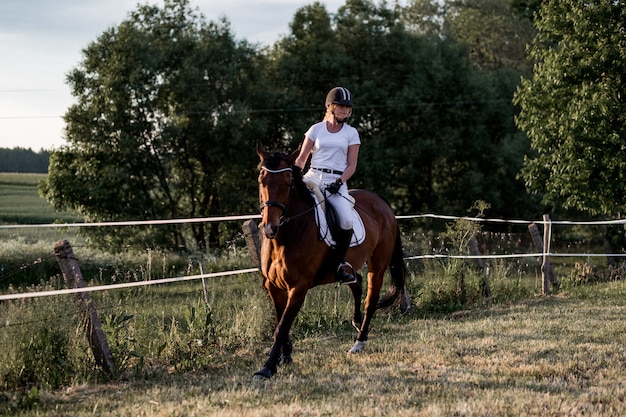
point(263, 374)
point(357, 348)
point(286, 360)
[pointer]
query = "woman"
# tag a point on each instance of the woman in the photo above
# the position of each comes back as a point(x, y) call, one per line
point(334, 146)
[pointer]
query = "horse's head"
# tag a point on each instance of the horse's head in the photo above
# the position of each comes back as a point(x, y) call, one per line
point(275, 184)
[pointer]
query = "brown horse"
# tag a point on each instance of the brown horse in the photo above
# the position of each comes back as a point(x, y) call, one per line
point(295, 259)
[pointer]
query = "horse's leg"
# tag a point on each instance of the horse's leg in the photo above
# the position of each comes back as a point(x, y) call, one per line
point(279, 298)
point(285, 357)
point(374, 284)
point(357, 293)
point(282, 344)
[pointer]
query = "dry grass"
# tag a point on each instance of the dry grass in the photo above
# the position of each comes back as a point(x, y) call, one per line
point(555, 356)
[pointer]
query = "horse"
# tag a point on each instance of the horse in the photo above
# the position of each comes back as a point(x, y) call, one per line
point(294, 259)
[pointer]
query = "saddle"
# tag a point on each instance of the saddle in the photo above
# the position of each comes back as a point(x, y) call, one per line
point(328, 222)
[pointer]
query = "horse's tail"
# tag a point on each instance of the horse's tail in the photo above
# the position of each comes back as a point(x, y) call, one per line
point(398, 271)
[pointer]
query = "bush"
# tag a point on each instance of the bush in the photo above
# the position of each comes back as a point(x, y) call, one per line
point(42, 343)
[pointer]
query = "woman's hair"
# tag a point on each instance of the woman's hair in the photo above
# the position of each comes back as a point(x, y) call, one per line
point(329, 112)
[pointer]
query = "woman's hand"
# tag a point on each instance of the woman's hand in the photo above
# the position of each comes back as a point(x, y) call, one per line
point(335, 186)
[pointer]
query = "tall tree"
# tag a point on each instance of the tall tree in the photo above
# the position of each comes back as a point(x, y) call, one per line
point(161, 115)
point(573, 107)
point(23, 160)
point(496, 32)
point(302, 67)
point(527, 8)
point(437, 133)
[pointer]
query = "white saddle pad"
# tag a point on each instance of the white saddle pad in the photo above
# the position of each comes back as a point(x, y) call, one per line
point(320, 218)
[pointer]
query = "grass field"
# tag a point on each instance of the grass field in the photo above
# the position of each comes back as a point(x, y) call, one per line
point(20, 203)
point(557, 356)
point(25, 251)
point(454, 355)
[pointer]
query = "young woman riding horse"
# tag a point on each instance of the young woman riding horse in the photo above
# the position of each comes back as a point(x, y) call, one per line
point(294, 258)
point(334, 145)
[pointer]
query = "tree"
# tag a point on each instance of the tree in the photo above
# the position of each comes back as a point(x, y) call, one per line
point(527, 8)
point(162, 114)
point(573, 107)
point(437, 133)
point(23, 160)
point(424, 17)
point(495, 33)
point(302, 67)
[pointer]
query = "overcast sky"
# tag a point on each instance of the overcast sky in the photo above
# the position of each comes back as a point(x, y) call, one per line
point(41, 41)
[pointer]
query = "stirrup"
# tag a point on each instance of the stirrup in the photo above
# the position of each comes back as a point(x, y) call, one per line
point(346, 274)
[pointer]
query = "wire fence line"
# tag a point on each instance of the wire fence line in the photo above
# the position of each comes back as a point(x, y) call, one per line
point(106, 307)
point(132, 222)
point(16, 296)
point(516, 255)
point(125, 285)
point(258, 216)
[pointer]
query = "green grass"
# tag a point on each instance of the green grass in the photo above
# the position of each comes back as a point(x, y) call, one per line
point(20, 203)
point(26, 254)
point(557, 355)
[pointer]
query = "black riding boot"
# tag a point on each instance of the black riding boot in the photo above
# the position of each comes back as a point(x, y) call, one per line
point(342, 240)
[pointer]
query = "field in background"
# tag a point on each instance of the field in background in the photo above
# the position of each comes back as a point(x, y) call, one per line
point(20, 203)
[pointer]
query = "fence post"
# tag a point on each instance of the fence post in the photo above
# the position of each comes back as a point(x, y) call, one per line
point(253, 240)
point(547, 270)
point(474, 251)
point(209, 313)
point(74, 279)
point(608, 247)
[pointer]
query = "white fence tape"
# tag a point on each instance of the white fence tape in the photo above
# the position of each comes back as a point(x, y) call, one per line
point(251, 270)
point(124, 285)
point(133, 222)
point(518, 255)
point(256, 216)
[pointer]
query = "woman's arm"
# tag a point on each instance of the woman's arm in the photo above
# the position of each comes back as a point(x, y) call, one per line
point(305, 151)
point(353, 156)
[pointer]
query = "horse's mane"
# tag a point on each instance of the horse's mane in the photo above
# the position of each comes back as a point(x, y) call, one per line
point(273, 161)
point(302, 189)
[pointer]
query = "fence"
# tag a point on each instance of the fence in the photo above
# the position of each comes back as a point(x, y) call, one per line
point(543, 245)
point(77, 286)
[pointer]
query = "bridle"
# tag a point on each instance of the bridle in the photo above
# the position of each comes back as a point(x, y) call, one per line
point(283, 207)
point(274, 203)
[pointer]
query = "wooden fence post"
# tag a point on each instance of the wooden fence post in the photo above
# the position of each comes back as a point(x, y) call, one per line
point(608, 247)
point(74, 279)
point(253, 240)
point(209, 314)
point(474, 251)
point(547, 270)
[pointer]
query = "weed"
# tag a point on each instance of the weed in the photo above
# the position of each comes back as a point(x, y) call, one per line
point(39, 343)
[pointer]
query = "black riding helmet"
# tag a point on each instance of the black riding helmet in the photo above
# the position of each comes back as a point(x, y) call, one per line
point(339, 95)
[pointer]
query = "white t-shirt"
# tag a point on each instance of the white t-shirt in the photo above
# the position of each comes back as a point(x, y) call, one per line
point(331, 149)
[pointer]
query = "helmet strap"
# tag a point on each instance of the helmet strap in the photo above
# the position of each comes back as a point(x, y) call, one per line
point(332, 111)
point(337, 119)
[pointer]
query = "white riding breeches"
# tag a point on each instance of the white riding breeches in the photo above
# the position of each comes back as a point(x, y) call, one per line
point(342, 204)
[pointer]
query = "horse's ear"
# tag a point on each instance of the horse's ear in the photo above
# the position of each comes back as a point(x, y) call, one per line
point(294, 155)
point(260, 150)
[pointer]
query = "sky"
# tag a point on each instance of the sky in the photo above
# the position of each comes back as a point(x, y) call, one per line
point(42, 40)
